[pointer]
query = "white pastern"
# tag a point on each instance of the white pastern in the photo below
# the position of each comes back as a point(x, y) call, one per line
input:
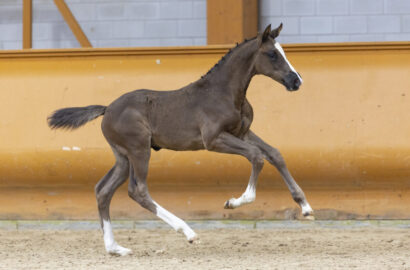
point(280, 49)
point(175, 222)
point(306, 209)
point(247, 197)
point(110, 245)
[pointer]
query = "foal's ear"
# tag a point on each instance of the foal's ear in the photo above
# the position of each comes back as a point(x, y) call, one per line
point(265, 35)
point(275, 32)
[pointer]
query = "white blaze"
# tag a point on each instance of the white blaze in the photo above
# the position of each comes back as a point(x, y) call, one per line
point(280, 49)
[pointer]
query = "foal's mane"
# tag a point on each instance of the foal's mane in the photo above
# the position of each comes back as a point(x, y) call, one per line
point(222, 60)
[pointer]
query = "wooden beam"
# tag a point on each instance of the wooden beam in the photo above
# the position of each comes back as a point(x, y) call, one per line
point(72, 23)
point(250, 18)
point(27, 23)
point(231, 21)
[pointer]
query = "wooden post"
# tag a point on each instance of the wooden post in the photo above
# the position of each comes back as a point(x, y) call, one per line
point(27, 24)
point(72, 23)
point(230, 21)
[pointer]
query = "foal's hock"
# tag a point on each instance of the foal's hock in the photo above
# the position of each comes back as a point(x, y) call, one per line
point(211, 113)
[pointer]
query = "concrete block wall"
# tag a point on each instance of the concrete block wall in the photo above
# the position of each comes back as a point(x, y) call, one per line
point(124, 23)
point(108, 23)
point(307, 21)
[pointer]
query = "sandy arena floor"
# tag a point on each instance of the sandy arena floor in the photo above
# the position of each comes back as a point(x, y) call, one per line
point(219, 249)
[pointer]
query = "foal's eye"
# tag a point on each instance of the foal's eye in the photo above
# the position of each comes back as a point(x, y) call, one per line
point(273, 55)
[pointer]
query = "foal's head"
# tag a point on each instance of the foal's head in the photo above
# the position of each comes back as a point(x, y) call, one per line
point(271, 60)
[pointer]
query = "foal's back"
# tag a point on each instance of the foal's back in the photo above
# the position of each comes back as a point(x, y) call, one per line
point(168, 118)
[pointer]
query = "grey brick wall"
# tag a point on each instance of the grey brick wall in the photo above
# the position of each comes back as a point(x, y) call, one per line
point(123, 23)
point(337, 20)
point(108, 23)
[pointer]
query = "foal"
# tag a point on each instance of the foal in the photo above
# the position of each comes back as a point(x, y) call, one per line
point(211, 113)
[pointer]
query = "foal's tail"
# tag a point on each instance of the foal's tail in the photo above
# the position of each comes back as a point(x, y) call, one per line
point(75, 117)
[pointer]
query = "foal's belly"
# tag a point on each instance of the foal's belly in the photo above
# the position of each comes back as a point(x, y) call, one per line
point(171, 133)
point(177, 140)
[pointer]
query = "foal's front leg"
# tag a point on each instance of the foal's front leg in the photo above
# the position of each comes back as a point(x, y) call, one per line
point(227, 143)
point(275, 158)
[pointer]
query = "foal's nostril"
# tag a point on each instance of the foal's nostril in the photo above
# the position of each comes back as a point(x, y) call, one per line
point(296, 82)
point(292, 81)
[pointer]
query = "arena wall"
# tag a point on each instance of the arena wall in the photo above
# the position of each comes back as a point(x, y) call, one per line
point(344, 134)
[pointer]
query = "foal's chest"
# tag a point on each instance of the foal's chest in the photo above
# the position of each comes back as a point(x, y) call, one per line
point(244, 122)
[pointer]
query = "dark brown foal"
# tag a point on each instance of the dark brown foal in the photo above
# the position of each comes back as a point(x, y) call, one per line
point(211, 113)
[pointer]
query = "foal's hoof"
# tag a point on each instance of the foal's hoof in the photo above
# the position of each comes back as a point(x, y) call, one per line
point(310, 217)
point(229, 204)
point(307, 211)
point(118, 250)
point(194, 240)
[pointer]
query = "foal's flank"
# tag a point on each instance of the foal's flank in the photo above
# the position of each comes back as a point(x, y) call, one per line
point(211, 113)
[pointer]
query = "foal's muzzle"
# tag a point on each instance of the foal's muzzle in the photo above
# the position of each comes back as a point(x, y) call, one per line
point(292, 81)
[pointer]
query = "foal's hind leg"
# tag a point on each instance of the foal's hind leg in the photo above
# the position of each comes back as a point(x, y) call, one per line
point(275, 158)
point(104, 191)
point(138, 191)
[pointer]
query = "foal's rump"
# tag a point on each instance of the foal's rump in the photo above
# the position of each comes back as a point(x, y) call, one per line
point(74, 117)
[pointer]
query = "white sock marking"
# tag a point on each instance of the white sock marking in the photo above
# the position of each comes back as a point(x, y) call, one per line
point(280, 49)
point(175, 222)
point(306, 209)
point(247, 197)
point(108, 234)
point(110, 245)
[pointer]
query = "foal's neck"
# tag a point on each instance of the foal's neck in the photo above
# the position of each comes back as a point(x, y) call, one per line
point(234, 72)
